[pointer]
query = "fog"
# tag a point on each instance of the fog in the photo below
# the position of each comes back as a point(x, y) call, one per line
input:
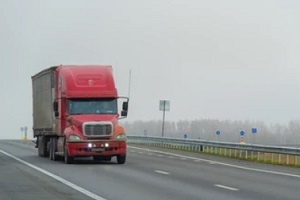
point(223, 60)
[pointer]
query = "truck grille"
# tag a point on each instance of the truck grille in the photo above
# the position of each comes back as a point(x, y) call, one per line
point(97, 129)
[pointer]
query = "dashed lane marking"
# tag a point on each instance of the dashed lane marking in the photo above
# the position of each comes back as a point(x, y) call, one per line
point(226, 187)
point(162, 172)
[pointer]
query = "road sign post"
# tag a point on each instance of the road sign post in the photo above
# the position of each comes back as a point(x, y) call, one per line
point(254, 131)
point(164, 105)
point(218, 133)
point(242, 141)
point(24, 135)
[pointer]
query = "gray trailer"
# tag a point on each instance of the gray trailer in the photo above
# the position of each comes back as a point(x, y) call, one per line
point(43, 96)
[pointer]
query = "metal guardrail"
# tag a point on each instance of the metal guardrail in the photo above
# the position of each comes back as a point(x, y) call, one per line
point(263, 153)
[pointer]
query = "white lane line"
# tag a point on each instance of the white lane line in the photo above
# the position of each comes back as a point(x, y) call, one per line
point(226, 187)
point(64, 181)
point(162, 172)
point(220, 163)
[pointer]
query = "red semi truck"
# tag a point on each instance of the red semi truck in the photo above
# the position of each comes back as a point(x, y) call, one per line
point(75, 113)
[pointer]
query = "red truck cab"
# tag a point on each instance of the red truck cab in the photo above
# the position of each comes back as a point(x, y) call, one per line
point(85, 115)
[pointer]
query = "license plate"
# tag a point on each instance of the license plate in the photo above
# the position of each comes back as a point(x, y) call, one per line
point(98, 150)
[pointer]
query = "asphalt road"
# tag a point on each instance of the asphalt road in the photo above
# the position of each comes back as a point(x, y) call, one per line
point(147, 175)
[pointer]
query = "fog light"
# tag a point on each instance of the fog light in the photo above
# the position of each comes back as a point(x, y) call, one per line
point(90, 145)
point(106, 145)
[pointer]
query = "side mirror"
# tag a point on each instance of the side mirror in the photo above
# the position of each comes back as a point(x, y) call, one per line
point(56, 113)
point(124, 113)
point(125, 106)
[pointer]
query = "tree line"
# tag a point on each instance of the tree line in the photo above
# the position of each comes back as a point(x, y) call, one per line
point(273, 134)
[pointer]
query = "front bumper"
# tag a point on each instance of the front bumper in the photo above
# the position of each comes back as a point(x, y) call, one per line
point(96, 148)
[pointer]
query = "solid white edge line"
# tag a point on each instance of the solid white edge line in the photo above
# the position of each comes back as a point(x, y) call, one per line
point(220, 163)
point(68, 183)
point(162, 172)
point(226, 187)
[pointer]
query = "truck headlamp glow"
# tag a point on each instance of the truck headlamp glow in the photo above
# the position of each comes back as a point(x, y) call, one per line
point(121, 137)
point(74, 138)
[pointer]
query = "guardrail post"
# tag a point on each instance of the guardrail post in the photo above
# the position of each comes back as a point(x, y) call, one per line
point(225, 152)
point(240, 153)
point(229, 152)
point(287, 159)
point(252, 155)
point(246, 154)
point(265, 157)
point(279, 158)
point(235, 153)
point(258, 156)
point(296, 160)
point(272, 158)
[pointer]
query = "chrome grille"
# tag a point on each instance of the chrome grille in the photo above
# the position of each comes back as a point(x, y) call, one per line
point(99, 129)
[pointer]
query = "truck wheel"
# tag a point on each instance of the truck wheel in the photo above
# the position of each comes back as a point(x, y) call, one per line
point(68, 159)
point(54, 148)
point(39, 146)
point(50, 149)
point(121, 159)
point(42, 147)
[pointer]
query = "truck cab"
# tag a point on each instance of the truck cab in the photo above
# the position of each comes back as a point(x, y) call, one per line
point(85, 114)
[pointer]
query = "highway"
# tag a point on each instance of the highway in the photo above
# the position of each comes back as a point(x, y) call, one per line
point(148, 174)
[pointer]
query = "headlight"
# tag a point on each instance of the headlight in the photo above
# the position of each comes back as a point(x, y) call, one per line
point(74, 137)
point(121, 137)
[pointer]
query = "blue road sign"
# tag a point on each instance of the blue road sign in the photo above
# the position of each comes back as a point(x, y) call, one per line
point(254, 130)
point(185, 136)
point(218, 132)
point(242, 133)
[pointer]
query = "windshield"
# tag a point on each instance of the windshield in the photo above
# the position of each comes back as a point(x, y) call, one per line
point(92, 106)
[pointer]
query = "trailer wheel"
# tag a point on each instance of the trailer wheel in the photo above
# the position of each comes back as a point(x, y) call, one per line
point(121, 159)
point(54, 148)
point(42, 147)
point(68, 159)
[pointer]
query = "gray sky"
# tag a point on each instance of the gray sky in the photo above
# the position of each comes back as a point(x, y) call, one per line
point(215, 59)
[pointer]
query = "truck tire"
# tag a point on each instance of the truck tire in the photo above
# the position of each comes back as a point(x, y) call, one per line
point(121, 159)
point(54, 148)
point(50, 149)
point(42, 147)
point(68, 159)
